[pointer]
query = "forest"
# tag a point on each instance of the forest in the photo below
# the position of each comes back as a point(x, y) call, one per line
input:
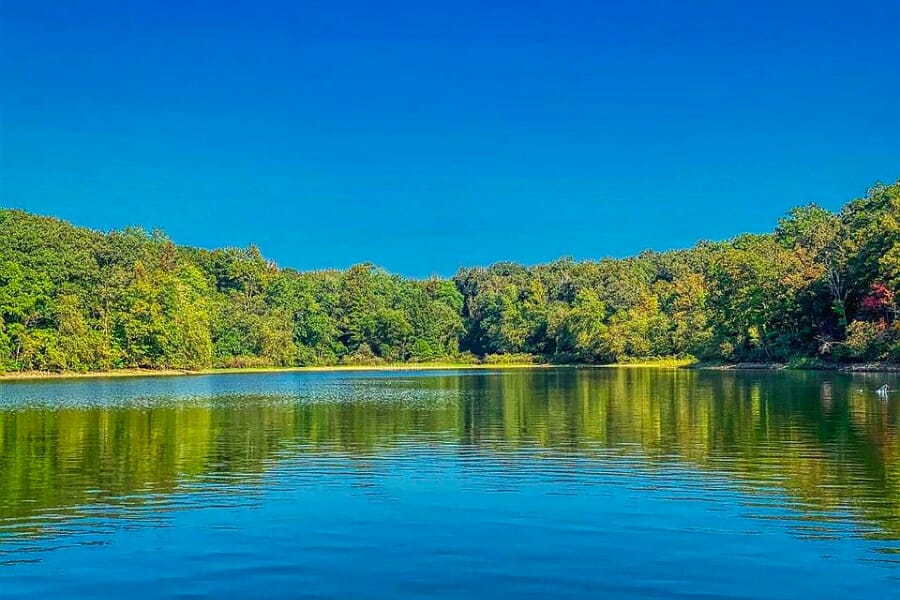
point(820, 289)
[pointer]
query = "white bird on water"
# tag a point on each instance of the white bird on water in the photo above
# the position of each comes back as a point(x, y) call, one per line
point(883, 391)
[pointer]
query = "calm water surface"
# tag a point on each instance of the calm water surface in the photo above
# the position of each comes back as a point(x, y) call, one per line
point(549, 483)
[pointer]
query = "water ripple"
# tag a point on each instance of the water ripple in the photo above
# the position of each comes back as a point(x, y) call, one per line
point(562, 483)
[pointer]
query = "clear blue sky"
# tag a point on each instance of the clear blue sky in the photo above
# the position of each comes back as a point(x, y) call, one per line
point(426, 135)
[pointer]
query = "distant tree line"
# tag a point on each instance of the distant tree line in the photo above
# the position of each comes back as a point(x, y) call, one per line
point(822, 286)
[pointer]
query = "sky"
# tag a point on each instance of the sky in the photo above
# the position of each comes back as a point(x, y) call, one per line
point(424, 135)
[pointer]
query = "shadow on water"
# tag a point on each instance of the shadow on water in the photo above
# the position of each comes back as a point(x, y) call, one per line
point(78, 450)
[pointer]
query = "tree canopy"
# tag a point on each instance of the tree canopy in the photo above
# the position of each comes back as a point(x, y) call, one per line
point(822, 285)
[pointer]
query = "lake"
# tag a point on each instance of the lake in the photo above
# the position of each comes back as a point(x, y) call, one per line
point(541, 483)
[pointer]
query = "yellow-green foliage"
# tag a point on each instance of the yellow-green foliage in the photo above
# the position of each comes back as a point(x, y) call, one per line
point(823, 285)
point(515, 358)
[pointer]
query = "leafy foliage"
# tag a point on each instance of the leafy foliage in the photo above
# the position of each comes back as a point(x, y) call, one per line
point(823, 286)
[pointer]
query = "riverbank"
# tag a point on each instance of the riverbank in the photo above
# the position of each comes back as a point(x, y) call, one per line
point(121, 373)
point(655, 363)
point(872, 367)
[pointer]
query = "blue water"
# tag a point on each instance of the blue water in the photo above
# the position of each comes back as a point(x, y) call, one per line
point(562, 483)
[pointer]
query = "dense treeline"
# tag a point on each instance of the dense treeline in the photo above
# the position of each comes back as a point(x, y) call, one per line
point(821, 287)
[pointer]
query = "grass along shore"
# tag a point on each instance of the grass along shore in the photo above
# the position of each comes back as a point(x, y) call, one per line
point(115, 373)
point(650, 363)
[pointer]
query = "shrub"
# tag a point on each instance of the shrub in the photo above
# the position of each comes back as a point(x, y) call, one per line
point(362, 356)
point(867, 340)
point(512, 358)
point(806, 363)
point(244, 362)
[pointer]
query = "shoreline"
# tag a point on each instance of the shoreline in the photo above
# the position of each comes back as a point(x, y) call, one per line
point(870, 367)
point(126, 373)
point(874, 367)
